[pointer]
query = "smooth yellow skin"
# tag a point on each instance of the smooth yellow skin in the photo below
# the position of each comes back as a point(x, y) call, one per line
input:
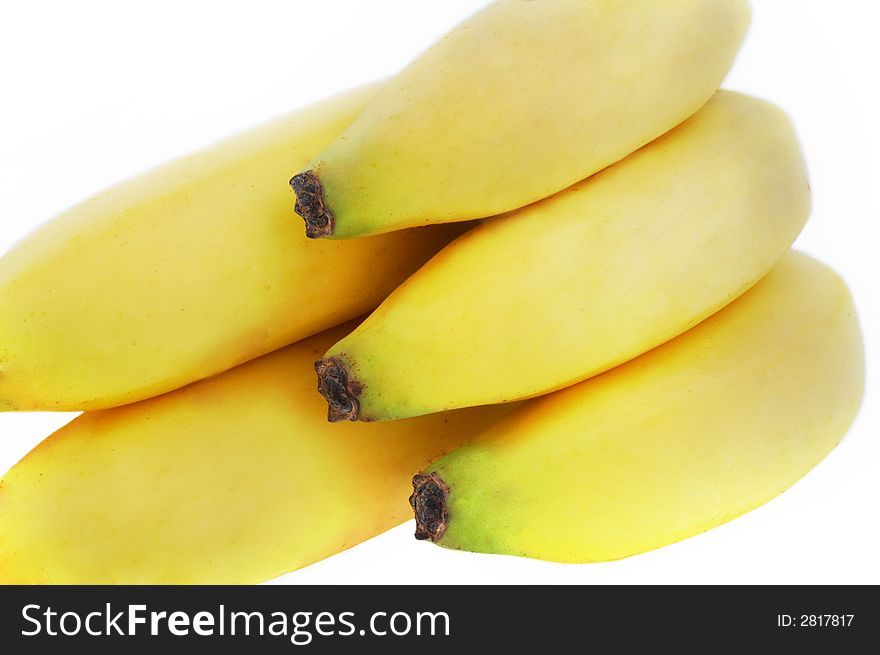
point(680, 440)
point(522, 100)
point(596, 275)
point(185, 272)
point(234, 479)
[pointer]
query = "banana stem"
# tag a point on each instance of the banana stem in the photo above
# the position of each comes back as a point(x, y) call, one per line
point(310, 204)
point(339, 389)
point(428, 501)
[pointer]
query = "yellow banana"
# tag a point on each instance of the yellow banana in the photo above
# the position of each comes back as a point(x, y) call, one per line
point(185, 272)
point(234, 479)
point(682, 439)
point(515, 104)
point(589, 278)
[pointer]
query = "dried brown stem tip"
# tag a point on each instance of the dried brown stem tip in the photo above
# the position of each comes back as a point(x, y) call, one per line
point(339, 389)
point(311, 206)
point(428, 501)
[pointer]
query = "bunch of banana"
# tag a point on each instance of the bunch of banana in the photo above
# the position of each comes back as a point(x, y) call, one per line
point(634, 271)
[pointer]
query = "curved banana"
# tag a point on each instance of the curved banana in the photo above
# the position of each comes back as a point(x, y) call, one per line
point(185, 272)
point(578, 283)
point(515, 104)
point(682, 439)
point(234, 479)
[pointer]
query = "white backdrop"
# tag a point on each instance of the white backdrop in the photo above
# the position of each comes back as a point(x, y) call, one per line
point(95, 91)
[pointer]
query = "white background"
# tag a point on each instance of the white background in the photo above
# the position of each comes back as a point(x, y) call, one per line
point(93, 92)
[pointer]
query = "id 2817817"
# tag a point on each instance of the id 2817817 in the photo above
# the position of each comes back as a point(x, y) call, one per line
point(814, 620)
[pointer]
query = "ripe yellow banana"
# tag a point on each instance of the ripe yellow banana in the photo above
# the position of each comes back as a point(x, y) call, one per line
point(515, 104)
point(680, 440)
point(185, 272)
point(589, 278)
point(234, 479)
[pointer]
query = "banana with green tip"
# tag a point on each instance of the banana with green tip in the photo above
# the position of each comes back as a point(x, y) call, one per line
point(516, 103)
point(575, 284)
point(682, 439)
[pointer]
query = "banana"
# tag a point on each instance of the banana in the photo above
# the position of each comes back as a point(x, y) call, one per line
point(680, 440)
point(235, 479)
point(589, 278)
point(518, 102)
point(185, 272)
